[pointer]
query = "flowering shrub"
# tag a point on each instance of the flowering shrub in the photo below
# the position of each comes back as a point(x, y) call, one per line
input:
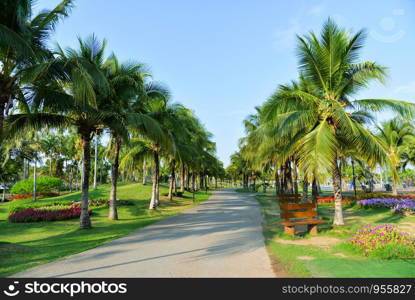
point(407, 207)
point(383, 195)
point(404, 206)
point(45, 214)
point(385, 241)
point(22, 196)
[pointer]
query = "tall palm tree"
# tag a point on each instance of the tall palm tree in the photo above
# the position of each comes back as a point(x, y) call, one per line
point(396, 135)
point(126, 102)
point(74, 100)
point(23, 39)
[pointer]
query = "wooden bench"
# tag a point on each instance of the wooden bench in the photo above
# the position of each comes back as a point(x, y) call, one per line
point(299, 214)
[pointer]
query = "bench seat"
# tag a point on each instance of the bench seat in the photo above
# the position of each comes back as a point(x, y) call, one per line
point(302, 222)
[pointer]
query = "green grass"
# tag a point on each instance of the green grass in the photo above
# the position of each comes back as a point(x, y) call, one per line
point(26, 245)
point(334, 260)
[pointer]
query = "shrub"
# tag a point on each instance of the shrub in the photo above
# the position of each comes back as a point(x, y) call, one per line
point(384, 241)
point(45, 214)
point(44, 185)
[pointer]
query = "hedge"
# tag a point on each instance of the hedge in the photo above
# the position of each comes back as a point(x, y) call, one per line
point(44, 185)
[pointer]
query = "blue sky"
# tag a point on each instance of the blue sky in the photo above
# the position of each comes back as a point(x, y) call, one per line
point(221, 58)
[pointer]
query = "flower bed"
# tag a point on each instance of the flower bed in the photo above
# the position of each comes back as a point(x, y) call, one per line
point(383, 195)
point(45, 214)
point(384, 241)
point(330, 200)
point(403, 206)
point(365, 196)
point(22, 196)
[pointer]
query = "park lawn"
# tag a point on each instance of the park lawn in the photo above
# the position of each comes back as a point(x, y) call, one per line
point(26, 245)
point(327, 255)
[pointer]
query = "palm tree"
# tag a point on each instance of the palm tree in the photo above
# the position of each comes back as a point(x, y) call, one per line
point(126, 102)
point(74, 100)
point(396, 135)
point(23, 41)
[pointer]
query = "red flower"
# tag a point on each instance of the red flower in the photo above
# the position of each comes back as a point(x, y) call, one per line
point(40, 215)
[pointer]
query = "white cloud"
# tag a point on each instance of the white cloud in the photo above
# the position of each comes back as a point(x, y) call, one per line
point(406, 89)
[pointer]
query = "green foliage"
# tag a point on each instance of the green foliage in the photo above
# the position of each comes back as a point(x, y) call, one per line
point(44, 185)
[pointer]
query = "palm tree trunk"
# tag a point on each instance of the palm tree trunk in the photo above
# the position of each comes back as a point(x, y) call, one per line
point(354, 179)
point(201, 182)
point(3, 101)
point(172, 179)
point(85, 220)
point(277, 183)
point(295, 177)
point(193, 181)
point(289, 179)
point(154, 195)
point(188, 178)
point(314, 191)
point(144, 171)
point(176, 178)
point(113, 214)
point(3, 197)
point(394, 188)
point(305, 190)
point(34, 181)
point(95, 162)
point(182, 178)
point(24, 169)
point(338, 208)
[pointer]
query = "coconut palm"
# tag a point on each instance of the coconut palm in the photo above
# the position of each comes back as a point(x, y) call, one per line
point(396, 135)
point(23, 39)
point(74, 100)
point(126, 102)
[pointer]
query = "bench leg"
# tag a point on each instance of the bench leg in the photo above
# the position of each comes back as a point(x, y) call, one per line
point(289, 230)
point(312, 228)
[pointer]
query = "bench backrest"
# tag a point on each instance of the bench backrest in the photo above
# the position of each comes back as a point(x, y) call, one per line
point(289, 198)
point(298, 211)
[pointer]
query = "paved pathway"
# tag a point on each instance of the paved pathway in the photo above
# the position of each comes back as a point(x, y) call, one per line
point(220, 238)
